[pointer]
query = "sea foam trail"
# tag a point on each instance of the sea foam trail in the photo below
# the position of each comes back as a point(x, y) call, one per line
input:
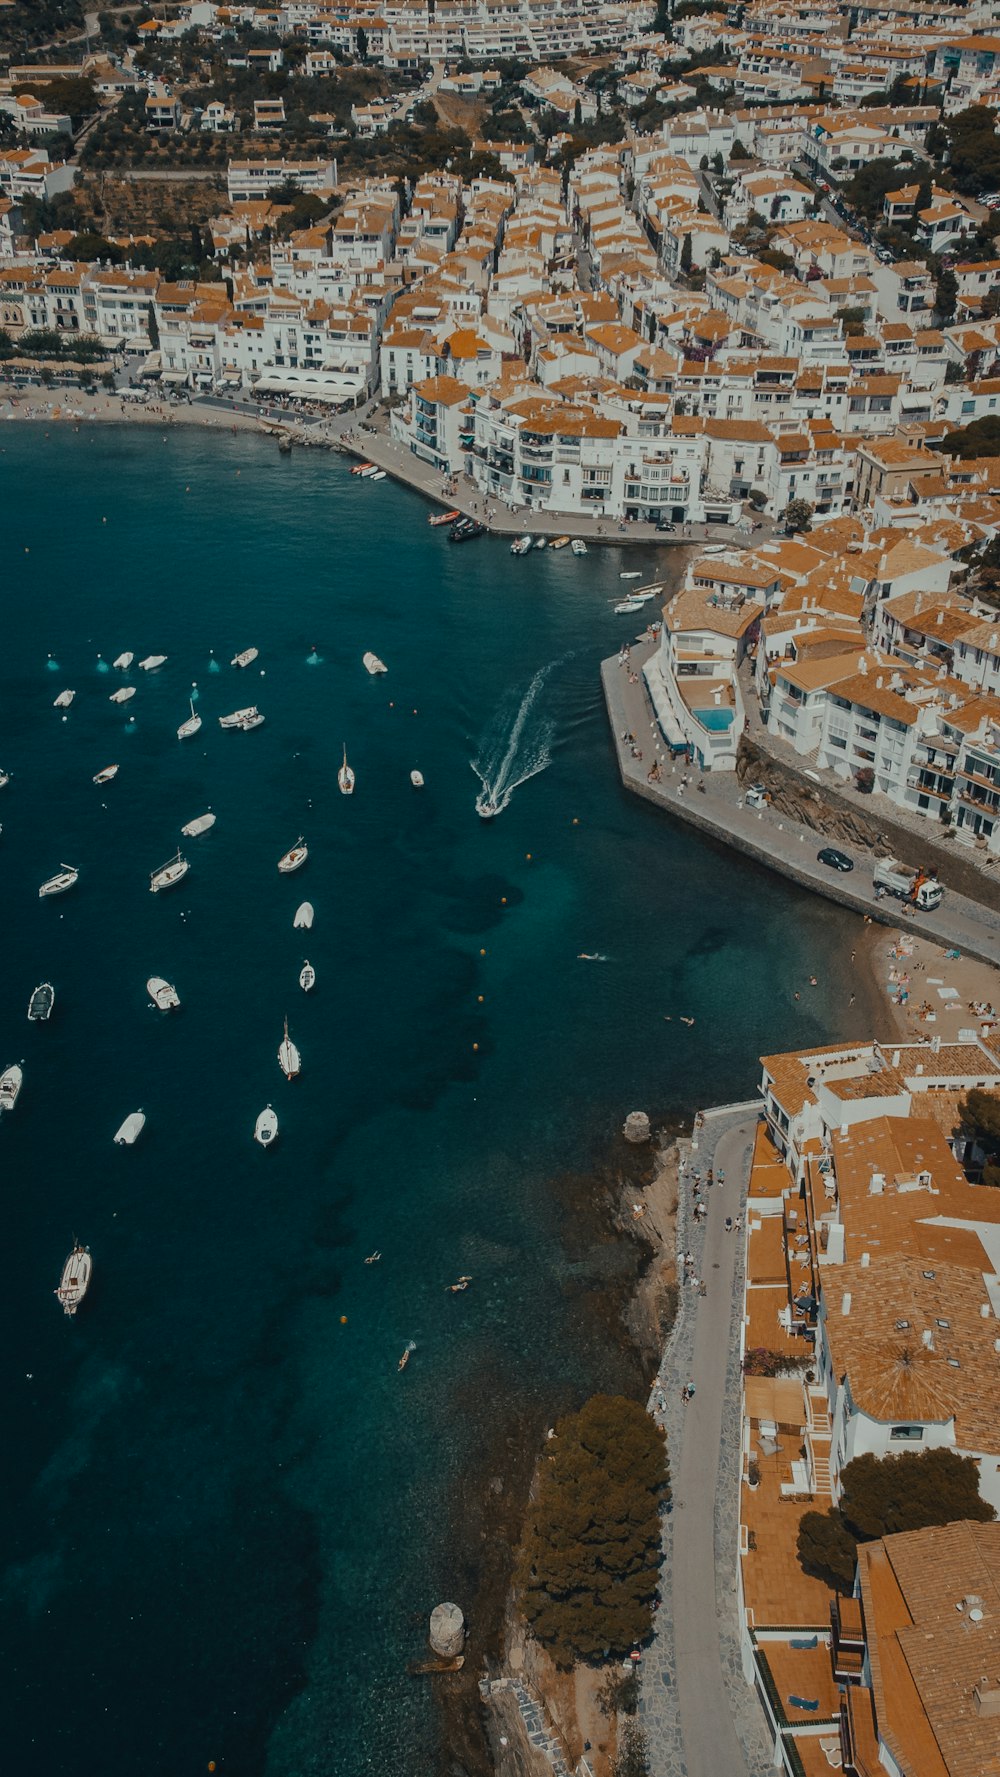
point(508, 759)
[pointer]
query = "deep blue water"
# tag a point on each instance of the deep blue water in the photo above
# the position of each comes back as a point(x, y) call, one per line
point(225, 1514)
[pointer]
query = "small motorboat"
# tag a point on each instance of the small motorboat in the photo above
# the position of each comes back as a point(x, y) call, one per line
point(247, 657)
point(162, 993)
point(486, 805)
point(373, 664)
point(631, 574)
point(627, 607)
point(131, 1129)
point(168, 875)
point(57, 885)
point(307, 978)
point(191, 725)
point(289, 1059)
point(578, 546)
point(294, 857)
point(541, 542)
point(559, 542)
point(75, 1280)
point(151, 662)
point(200, 824)
point(359, 468)
point(417, 779)
point(303, 917)
point(41, 1003)
point(123, 662)
point(241, 718)
point(345, 777)
point(521, 545)
point(465, 530)
point(63, 701)
point(265, 1130)
point(253, 719)
point(457, 1288)
point(122, 695)
point(373, 1258)
point(379, 475)
point(369, 471)
point(437, 518)
point(404, 1360)
point(105, 776)
point(4, 778)
point(11, 1081)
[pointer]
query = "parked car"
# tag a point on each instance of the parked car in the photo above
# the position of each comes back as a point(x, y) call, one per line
point(834, 859)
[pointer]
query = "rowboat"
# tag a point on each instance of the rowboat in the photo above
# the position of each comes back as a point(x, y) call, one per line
point(151, 662)
point(559, 542)
point(131, 1129)
point(307, 978)
point(247, 657)
point(63, 701)
point(359, 468)
point(373, 664)
point(303, 917)
point(122, 695)
point(41, 1003)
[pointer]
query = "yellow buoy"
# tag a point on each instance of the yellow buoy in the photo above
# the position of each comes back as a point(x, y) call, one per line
point(481, 998)
point(343, 1320)
point(475, 1045)
point(503, 900)
point(528, 856)
point(482, 953)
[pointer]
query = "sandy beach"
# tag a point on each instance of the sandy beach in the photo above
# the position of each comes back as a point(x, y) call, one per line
point(73, 407)
point(921, 990)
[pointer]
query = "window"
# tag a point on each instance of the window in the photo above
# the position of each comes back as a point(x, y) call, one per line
point(907, 1434)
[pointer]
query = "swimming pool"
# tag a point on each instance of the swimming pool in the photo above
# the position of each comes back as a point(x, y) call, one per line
point(715, 720)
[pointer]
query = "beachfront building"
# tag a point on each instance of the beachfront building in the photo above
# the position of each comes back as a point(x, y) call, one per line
point(692, 678)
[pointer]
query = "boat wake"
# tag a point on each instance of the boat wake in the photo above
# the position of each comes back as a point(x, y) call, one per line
point(514, 750)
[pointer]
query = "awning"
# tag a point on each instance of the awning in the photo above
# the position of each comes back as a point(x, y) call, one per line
point(173, 376)
point(152, 365)
point(321, 387)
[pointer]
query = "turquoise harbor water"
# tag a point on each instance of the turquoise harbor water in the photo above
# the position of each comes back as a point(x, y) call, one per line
point(225, 1513)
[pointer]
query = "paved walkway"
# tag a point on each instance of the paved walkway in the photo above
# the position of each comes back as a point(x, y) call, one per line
point(777, 841)
point(700, 1718)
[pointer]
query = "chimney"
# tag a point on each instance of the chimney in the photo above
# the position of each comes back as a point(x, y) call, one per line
point(845, 1303)
point(895, 1058)
point(863, 666)
point(927, 1339)
point(984, 1310)
point(935, 1045)
point(865, 1261)
point(939, 619)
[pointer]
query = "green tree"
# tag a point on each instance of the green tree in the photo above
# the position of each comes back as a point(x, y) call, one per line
point(738, 152)
point(152, 329)
point(88, 246)
point(362, 44)
point(946, 295)
point(827, 1549)
point(798, 516)
point(975, 149)
point(686, 255)
point(632, 1755)
point(590, 1558)
point(910, 1492)
point(7, 347)
point(979, 1112)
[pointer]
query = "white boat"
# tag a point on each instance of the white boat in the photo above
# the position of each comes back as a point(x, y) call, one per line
point(367, 473)
point(57, 885)
point(560, 542)
point(247, 657)
point(373, 664)
point(63, 701)
point(521, 546)
point(190, 726)
point(105, 776)
point(265, 1130)
point(289, 1059)
point(417, 779)
point(200, 825)
point(151, 662)
point(307, 979)
point(122, 695)
point(123, 662)
point(294, 857)
point(131, 1129)
point(541, 542)
point(379, 475)
point(345, 777)
point(631, 574)
point(243, 719)
point(578, 546)
point(168, 875)
point(628, 606)
point(162, 993)
point(75, 1280)
point(41, 1003)
point(486, 806)
point(4, 778)
point(10, 1086)
point(303, 917)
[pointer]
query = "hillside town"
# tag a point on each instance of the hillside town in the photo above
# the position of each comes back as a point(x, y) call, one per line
point(722, 278)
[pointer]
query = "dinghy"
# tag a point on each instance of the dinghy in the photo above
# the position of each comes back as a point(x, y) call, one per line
point(417, 779)
point(303, 917)
point(200, 825)
point(151, 662)
point(123, 662)
point(105, 776)
point(131, 1129)
point(123, 695)
point(63, 701)
point(41, 1003)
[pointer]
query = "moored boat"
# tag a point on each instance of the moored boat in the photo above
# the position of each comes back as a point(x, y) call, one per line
point(437, 518)
point(253, 719)
point(541, 542)
point(247, 657)
point(122, 695)
point(131, 1129)
point(373, 664)
point(368, 471)
point(627, 606)
point(265, 1130)
point(307, 978)
point(248, 718)
point(4, 778)
point(303, 917)
point(345, 777)
point(465, 530)
point(191, 725)
point(417, 779)
point(559, 542)
point(123, 662)
point(151, 662)
point(522, 545)
point(63, 701)
point(105, 776)
point(11, 1081)
point(168, 875)
point(57, 885)
point(200, 824)
point(294, 857)
point(379, 475)
point(631, 574)
point(75, 1280)
point(289, 1059)
point(578, 546)
point(359, 468)
point(162, 993)
point(41, 1003)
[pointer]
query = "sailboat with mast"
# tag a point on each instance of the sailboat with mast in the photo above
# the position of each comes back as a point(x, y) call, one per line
point(289, 1059)
point(191, 726)
point(345, 776)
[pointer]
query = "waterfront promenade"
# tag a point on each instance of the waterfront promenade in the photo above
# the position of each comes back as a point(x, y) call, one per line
point(772, 839)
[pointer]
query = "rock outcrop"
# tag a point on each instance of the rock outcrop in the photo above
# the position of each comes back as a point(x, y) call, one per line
point(447, 1635)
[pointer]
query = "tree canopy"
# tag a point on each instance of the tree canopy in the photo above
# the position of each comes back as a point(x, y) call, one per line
point(883, 1495)
point(591, 1552)
point(979, 1115)
point(975, 149)
point(980, 438)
